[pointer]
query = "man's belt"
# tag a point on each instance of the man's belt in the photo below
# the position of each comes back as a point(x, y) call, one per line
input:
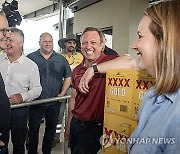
point(99, 123)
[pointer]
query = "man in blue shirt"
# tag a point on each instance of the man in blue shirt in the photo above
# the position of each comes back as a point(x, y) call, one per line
point(53, 68)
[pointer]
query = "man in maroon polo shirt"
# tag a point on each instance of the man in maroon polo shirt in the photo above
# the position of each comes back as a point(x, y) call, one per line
point(86, 111)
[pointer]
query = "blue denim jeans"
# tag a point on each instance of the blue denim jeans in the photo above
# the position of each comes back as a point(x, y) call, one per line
point(36, 113)
point(85, 139)
point(18, 126)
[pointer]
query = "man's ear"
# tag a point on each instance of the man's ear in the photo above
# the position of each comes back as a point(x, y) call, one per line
point(22, 43)
point(102, 46)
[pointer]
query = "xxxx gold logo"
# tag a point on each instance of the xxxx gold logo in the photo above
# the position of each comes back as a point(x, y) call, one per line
point(121, 82)
point(141, 84)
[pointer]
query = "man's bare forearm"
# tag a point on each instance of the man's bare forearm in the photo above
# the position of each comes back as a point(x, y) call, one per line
point(117, 63)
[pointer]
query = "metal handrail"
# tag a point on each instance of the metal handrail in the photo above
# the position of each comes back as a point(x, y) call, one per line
point(43, 101)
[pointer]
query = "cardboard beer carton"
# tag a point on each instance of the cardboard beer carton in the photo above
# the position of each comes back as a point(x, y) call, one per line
point(125, 90)
point(117, 130)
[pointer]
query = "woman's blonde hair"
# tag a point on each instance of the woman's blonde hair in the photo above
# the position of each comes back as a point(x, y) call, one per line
point(165, 26)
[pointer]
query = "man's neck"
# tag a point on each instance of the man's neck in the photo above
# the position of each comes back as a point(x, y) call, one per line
point(69, 54)
point(14, 57)
point(88, 63)
point(46, 55)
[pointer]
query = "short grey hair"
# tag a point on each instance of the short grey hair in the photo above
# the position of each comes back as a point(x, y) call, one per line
point(16, 30)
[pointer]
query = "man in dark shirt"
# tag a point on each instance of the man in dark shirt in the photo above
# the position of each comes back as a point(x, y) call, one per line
point(4, 101)
point(86, 111)
point(53, 68)
point(107, 50)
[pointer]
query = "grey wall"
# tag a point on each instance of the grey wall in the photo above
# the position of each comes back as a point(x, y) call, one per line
point(122, 15)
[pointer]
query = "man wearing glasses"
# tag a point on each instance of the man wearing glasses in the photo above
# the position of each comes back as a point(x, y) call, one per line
point(3, 39)
point(4, 101)
point(22, 84)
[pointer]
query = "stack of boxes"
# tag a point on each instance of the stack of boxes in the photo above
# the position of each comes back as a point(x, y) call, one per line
point(124, 92)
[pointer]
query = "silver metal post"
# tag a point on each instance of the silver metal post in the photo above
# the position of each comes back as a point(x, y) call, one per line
point(66, 115)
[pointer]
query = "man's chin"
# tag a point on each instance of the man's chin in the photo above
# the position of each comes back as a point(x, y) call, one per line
point(91, 59)
point(71, 50)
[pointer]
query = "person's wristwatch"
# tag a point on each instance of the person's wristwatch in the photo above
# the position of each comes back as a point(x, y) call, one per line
point(94, 66)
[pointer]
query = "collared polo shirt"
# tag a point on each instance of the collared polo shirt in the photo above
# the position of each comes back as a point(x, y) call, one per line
point(52, 71)
point(90, 106)
point(75, 59)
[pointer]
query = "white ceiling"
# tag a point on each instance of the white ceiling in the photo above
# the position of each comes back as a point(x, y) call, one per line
point(28, 6)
